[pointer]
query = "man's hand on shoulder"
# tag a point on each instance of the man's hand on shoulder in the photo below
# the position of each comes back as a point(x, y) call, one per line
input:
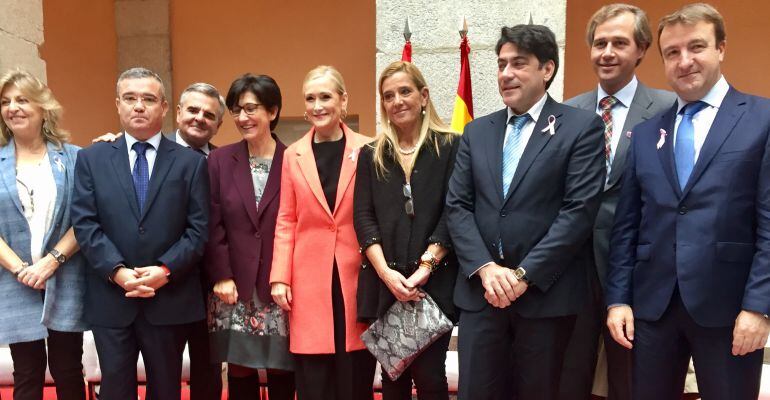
point(750, 332)
point(620, 321)
point(500, 285)
point(107, 137)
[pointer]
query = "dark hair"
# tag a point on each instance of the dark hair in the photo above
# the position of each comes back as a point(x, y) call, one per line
point(537, 40)
point(263, 86)
point(691, 14)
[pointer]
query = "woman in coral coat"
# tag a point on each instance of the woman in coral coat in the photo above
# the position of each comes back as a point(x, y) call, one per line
point(316, 258)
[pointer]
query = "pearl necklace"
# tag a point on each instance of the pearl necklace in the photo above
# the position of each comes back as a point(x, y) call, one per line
point(407, 151)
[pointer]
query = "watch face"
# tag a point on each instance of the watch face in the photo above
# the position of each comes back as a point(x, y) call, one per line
point(61, 259)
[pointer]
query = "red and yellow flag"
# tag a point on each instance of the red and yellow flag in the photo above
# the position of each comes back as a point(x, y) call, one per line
point(463, 111)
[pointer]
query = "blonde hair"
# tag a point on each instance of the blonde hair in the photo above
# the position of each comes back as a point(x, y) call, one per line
point(327, 71)
point(386, 142)
point(38, 93)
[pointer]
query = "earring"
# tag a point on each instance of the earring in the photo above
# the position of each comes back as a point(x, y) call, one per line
point(423, 111)
point(305, 116)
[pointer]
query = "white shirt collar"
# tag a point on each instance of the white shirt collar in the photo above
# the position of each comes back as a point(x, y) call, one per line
point(181, 141)
point(154, 141)
point(533, 112)
point(713, 98)
point(625, 95)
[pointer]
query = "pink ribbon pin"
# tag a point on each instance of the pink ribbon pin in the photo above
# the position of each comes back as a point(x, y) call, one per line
point(551, 128)
point(662, 139)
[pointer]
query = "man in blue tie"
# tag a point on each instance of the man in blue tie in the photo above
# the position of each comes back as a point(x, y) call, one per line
point(140, 214)
point(689, 271)
point(521, 206)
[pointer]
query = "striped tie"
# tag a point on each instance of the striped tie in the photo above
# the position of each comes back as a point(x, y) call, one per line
point(141, 172)
point(606, 105)
point(512, 149)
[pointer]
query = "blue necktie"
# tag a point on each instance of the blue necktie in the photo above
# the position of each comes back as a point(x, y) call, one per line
point(512, 149)
point(141, 172)
point(684, 147)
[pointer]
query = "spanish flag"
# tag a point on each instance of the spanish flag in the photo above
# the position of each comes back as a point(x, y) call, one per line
point(463, 111)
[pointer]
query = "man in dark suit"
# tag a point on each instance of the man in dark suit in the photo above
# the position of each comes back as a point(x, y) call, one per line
point(140, 213)
point(618, 36)
point(198, 118)
point(521, 205)
point(690, 251)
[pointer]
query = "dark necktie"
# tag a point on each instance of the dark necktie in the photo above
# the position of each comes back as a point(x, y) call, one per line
point(199, 151)
point(684, 146)
point(606, 105)
point(141, 172)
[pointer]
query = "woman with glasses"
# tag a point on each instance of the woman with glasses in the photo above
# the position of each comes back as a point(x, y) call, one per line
point(401, 184)
point(42, 280)
point(247, 329)
point(316, 259)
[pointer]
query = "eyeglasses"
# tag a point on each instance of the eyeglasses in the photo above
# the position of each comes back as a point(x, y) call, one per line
point(148, 101)
point(248, 108)
point(409, 205)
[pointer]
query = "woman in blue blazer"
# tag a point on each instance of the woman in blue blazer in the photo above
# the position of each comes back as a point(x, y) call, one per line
point(41, 279)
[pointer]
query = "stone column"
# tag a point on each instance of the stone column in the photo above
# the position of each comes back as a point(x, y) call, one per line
point(143, 32)
point(435, 43)
point(21, 32)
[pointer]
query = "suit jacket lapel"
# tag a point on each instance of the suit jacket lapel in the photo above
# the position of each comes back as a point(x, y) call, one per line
point(731, 110)
point(273, 185)
point(494, 143)
point(123, 172)
point(666, 152)
point(8, 173)
point(56, 157)
point(638, 111)
point(348, 169)
point(164, 159)
point(309, 170)
point(536, 142)
point(243, 183)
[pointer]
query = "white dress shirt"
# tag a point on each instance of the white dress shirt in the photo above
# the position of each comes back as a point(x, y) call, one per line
point(150, 153)
point(702, 121)
point(205, 149)
point(619, 112)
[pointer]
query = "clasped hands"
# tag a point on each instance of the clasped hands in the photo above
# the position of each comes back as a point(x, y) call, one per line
point(750, 331)
point(141, 281)
point(406, 289)
point(37, 274)
point(501, 288)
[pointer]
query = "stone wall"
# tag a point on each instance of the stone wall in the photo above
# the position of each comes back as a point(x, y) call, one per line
point(21, 32)
point(435, 43)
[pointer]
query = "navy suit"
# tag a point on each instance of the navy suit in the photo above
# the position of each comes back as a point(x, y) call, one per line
point(171, 231)
point(544, 224)
point(689, 260)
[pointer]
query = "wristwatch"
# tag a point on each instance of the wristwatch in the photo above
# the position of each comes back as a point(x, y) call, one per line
point(429, 260)
point(58, 256)
point(521, 274)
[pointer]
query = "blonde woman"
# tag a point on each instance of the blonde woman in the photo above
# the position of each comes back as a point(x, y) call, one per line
point(315, 258)
point(42, 276)
point(401, 185)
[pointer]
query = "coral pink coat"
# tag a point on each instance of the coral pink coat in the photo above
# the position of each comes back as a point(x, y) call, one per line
point(308, 238)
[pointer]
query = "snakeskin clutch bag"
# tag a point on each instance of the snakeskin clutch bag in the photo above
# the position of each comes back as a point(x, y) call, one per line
point(406, 329)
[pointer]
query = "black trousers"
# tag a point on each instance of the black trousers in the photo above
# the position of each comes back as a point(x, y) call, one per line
point(65, 351)
point(161, 347)
point(339, 376)
point(577, 376)
point(205, 376)
point(503, 355)
point(428, 371)
point(662, 351)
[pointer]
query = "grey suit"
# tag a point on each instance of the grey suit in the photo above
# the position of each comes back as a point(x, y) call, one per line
point(580, 359)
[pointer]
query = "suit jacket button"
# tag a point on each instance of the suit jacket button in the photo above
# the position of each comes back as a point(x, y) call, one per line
point(256, 235)
point(503, 214)
point(332, 228)
point(682, 210)
point(141, 230)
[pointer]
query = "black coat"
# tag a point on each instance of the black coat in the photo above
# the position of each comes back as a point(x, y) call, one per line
point(380, 217)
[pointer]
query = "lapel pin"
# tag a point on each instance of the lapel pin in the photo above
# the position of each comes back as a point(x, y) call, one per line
point(662, 139)
point(353, 154)
point(551, 128)
point(59, 164)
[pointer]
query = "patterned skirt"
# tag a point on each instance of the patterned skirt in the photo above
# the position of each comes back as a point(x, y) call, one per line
point(251, 334)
